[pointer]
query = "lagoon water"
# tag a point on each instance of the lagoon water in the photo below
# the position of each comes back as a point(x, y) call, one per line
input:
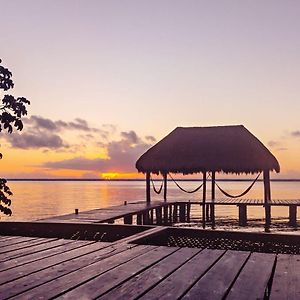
point(41, 199)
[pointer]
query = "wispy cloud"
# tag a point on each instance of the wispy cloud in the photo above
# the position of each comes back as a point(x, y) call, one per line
point(295, 133)
point(122, 155)
point(36, 140)
point(40, 132)
point(277, 145)
point(59, 125)
point(121, 148)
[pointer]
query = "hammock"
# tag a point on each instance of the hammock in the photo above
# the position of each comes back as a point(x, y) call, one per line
point(154, 188)
point(240, 195)
point(184, 190)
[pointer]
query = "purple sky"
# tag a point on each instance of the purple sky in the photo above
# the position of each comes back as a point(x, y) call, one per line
point(150, 66)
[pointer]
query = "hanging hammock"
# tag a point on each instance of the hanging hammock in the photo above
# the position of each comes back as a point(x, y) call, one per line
point(184, 190)
point(154, 188)
point(240, 195)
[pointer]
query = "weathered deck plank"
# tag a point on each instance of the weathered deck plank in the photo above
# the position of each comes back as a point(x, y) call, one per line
point(23, 245)
point(59, 278)
point(286, 282)
point(36, 252)
point(20, 271)
point(215, 283)
point(77, 273)
point(21, 239)
point(254, 277)
point(136, 286)
point(175, 285)
point(87, 269)
point(97, 286)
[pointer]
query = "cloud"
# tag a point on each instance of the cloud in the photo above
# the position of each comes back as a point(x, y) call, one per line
point(41, 123)
point(122, 155)
point(77, 163)
point(130, 136)
point(121, 148)
point(59, 125)
point(273, 143)
point(150, 138)
point(36, 140)
point(295, 133)
point(277, 146)
point(44, 133)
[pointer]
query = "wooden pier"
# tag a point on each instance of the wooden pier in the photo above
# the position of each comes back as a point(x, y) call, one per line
point(43, 268)
point(169, 212)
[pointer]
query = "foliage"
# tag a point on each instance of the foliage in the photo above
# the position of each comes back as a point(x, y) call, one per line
point(11, 112)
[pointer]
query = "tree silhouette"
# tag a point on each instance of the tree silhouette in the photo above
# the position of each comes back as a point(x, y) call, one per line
point(11, 112)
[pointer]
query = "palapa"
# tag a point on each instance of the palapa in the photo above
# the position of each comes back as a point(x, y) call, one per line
point(188, 150)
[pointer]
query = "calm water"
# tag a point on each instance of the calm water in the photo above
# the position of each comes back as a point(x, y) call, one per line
point(35, 200)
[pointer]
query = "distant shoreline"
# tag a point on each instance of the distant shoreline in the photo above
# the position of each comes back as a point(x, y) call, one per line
point(137, 179)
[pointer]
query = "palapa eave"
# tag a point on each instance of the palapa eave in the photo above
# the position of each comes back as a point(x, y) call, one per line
point(227, 149)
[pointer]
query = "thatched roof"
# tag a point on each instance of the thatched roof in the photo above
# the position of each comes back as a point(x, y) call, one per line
point(187, 150)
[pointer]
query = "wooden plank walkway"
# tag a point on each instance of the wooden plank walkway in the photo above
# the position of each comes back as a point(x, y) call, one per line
point(169, 212)
point(70, 269)
point(109, 214)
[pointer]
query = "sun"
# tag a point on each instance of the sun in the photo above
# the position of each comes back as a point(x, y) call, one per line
point(110, 175)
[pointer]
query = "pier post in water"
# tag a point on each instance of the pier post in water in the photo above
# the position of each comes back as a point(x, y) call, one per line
point(139, 219)
point(267, 199)
point(188, 212)
point(293, 215)
point(182, 211)
point(213, 197)
point(242, 214)
point(128, 219)
point(166, 214)
point(203, 200)
point(175, 213)
point(158, 214)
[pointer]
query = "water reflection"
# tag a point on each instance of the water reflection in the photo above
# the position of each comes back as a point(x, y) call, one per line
point(35, 200)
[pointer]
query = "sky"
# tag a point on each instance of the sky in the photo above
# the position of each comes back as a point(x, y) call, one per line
point(107, 79)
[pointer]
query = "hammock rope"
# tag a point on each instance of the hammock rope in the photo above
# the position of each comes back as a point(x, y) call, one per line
point(240, 195)
point(184, 190)
point(154, 188)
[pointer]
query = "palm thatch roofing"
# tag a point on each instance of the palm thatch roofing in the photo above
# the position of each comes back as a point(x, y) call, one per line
point(188, 150)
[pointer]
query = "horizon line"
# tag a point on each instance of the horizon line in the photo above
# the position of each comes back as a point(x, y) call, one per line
point(141, 179)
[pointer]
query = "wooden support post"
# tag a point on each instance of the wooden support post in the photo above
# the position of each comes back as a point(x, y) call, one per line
point(158, 213)
point(151, 217)
point(166, 215)
point(293, 215)
point(188, 212)
point(165, 186)
point(267, 199)
point(213, 197)
point(146, 217)
point(139, 219)
point(242, 214)
point(148, 193)
point(182, 212)
point(170, 213)
point(203, 200)
point(175, 213)
point(128, 219)
point(207, 209)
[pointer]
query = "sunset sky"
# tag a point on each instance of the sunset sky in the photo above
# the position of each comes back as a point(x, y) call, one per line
point(106, 79)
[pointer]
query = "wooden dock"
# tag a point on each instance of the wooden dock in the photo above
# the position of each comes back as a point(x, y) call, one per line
point(169, 212)
point(43, 268)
